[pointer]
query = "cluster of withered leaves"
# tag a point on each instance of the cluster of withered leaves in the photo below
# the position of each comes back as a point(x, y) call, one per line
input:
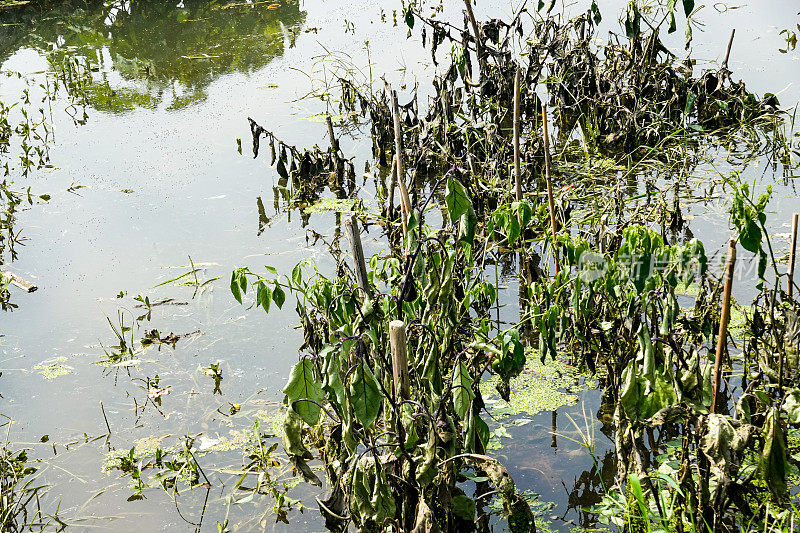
point(628, 95)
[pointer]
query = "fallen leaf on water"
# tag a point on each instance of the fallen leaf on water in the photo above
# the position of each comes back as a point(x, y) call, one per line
point(157, 392)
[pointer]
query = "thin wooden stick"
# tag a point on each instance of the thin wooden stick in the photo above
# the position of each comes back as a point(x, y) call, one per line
point(18, 281)
point(517, 173)
point(728, 51)
point(392, 185)
point(360, 266)
point(477, 32)
point(103, 409)
point(722, 337)
point(339, 162)
point(398, 152)
point(399, 347)
point(792, 251)
point(334, 142)
point(549, 186)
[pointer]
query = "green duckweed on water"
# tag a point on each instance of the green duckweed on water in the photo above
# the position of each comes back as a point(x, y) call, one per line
point(741, 315)
point(540, 387)
point(687, 289)
point(53, 368)
point(143, 448)
point(237, 439)
point(337, 205)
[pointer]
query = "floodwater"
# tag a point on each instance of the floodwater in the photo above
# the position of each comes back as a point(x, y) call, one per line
point(151, 175)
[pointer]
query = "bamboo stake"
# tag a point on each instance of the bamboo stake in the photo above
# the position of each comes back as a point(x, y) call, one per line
point(549, 186)
point(18, 281)
point(722, 337)
point(398, 152)
point(399, 347)
point(360, 265)
point(517, 176)
point(792, 251)
point(728, 51)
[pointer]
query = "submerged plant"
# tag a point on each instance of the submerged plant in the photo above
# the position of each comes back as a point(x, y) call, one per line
point(20, 491)
point(389, 457)
point(604, 277)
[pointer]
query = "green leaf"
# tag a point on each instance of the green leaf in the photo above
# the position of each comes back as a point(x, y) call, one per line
point(292, 435)
point(456, 199)
point(596, 12)
point(462, 390)
point(481, 431)
point(297, 274)
point(303, 384)
point(365, 395)
point(331, 379)
point(636, 489)
point(278, 296)
point(773, 466)
point(235, 286)
point(750, 236)
point(512, 228)
point(466, 228)
point(473, 477)
point(671, 482)
point(264, 297)
point(688, 7)
point(464, 507)
point(630, 396)
point(410, 18)
point(407, 416)
point(671, 15)
point(691, 98)
point(632, 20)
point(791, 406)
point(647, 353)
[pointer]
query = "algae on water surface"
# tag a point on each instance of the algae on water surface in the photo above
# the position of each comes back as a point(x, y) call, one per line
point(540, 387)
point(53, 368)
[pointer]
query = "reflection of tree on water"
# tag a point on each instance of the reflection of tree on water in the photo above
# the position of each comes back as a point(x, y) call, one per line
point(145, 52)
point(589, 487)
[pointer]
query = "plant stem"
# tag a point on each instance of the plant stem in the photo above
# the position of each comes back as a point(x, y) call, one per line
point(792, 252)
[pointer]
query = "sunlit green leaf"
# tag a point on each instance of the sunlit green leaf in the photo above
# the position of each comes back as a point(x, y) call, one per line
point(304, 384)
point(456, 199)
point(278, 296)
point(235, 286)
point(365, 395)
point(462, 390)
